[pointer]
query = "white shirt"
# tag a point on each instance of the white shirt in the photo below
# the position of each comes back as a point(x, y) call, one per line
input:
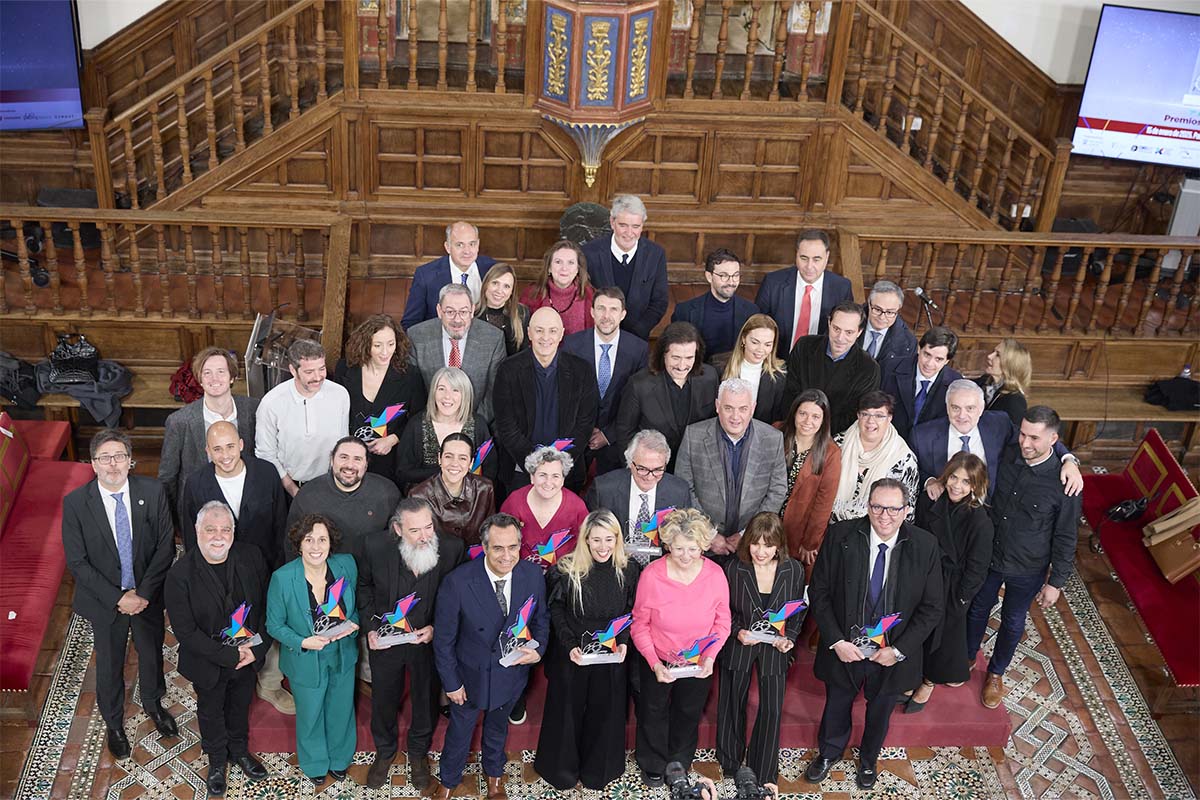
point(887, 559)
point(954, 443)
point(635, 503)
point(493, 577)
point(618, 253)
point(110, 508)
point(474, 282)
point(814, 300)
point(211, 416)
point(462, 347)
point(921, 377)
point(297, 433)
point(232, 488)
point(612, 352)
point(882, 334)
point(751, 374)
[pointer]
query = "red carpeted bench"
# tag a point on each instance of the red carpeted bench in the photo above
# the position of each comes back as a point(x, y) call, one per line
point(31, 551)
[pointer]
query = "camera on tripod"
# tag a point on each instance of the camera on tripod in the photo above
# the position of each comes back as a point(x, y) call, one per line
point(680, 786)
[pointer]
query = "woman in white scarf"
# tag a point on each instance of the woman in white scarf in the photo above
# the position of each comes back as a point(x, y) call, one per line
point(872, 449)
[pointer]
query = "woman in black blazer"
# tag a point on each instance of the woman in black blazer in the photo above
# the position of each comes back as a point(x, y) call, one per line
point(1005, 380)
point(753, 359)
point(762, 580)
point(677, 389)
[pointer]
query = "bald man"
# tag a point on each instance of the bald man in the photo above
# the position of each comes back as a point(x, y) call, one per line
point(543, 395)
point(463, 265)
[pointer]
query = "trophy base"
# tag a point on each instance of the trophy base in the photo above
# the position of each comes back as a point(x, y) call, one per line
point(511, 659)
point(253, 641)
point(590, 659)
point(766, 638)
point(394, 639)
point(645, 551)
point(337, 630)
point(868, 650)
point(685, 671)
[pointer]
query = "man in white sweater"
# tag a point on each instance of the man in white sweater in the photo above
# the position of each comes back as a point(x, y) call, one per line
point(299, 421)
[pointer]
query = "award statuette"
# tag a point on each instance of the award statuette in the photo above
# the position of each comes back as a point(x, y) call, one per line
point(475, 551)
point(872, 638)
point(480, 456)
point(330, 620)
point(644, 544)
point(394, 627)
point(547, 552)
point(600, 647)
point(376, 427)
point(237, 634)
point(687, 663)
point(768, 625)
point(518, 635)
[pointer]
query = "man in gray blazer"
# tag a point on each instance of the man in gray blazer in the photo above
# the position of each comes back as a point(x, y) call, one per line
point(453, 340)
point(734, 464)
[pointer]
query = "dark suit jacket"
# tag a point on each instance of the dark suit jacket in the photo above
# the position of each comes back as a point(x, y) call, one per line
point(777, 298)
point(427, 281)
point(185, 438)
point(262, 517)
point(898, 343)
point(913, 589)
point(91, 548)
point(693, 311)
point(467, 626)
point(647, 404)
point(647, 300)
point(482, 355)
point(745, 607)
point(1015, 404)
point(384, 578)
point(515, 401)
point(611, 491)
point(900, 381)
point(768, 405)
point(632, 353)
point(200, 609)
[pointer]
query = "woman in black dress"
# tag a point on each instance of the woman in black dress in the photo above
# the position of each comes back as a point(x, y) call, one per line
point(498, 305)
point(1005, 379)
point(447, 411)
point(960, 521)
point(583, 721)
point(377, 374)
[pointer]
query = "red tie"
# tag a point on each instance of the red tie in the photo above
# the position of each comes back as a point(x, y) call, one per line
point(804, 316)
point(455, 354)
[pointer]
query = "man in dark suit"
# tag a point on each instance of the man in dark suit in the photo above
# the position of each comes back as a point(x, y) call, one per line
point(637, 266)
point(409, 558)
point(918, 383)
point(119, 542)
point(543, 395)
point(833, 364)
point(800, 299)
point(614, 356)
point(476, 604)
point(886, 336)
point(461, 265)
point(869, 568)
point(644, 487)
point(719, 313)
point(205, 590)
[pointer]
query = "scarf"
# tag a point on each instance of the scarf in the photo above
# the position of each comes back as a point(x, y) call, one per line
point(853, 491)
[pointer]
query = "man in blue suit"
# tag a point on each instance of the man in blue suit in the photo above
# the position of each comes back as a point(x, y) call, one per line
point(719, 313)
point(886, 337)
point(614, 356)
point(637, 266)
point(461, 264)
point(918, 383)
point(476, 603)
point(800, 299)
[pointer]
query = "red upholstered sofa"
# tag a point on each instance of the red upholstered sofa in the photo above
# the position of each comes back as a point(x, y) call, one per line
point(33, 483)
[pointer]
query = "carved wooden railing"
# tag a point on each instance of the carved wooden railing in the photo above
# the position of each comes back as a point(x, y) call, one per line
point(1112, 285)
point(214, 111)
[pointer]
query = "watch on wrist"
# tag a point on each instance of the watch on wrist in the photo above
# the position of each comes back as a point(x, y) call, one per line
point(899, 656)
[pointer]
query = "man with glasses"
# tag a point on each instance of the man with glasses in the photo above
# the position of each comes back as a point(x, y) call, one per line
point(867, 570)
point(719, 313)
point(119, 541)
point(886, 337)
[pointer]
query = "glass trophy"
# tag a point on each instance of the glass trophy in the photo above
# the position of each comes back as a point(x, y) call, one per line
point(394, 627)
point(870, 639)
point(518, 635)
point(600, 647)
point(643, 544)
point(237, 634)
point(687, 662)
point(330, 619)
point(768, 626)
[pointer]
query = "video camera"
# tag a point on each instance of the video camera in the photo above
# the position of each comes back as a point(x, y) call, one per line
point(681, 787)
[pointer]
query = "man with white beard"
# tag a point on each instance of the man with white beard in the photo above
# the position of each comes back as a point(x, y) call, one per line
point(410, 558)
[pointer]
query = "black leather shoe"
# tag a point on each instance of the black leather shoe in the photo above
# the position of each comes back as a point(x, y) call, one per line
point(652, 780)
point(163, 721)
point(317, 780)
point(251, 767)
point(378, 774)
point(215, 782)
point(338, 774)
point(118, 743)
point(866, 777)
point(818, 769)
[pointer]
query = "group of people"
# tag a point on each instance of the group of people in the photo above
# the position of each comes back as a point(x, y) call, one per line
point(507, 478)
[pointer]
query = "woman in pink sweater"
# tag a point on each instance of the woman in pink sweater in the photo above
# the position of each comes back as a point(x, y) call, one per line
point(680, 615)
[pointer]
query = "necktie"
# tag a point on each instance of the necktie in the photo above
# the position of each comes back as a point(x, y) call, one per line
point(464, 279)
point(966, 447)
point(455, 354)
point(873, 348)
point(625, 260)
point(805, 315)
point(500, 599)
point(643, 512)
point(919, 403)
point(605, 370)
point(124, 543)
point(877, 575)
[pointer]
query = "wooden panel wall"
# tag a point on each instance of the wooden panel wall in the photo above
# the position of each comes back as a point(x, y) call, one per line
point(31, 161)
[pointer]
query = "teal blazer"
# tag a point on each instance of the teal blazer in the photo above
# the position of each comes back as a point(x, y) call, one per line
point(289, 621)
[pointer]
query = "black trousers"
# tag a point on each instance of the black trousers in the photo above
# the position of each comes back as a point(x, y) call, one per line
point(223, 712)
point(111, 641)
point(834, 733)
point(387, 689)
point(668, 719)
point(763, 758)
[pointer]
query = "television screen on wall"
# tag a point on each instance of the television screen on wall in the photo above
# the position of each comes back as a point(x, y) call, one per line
point(1141, 100)
point(39, 65)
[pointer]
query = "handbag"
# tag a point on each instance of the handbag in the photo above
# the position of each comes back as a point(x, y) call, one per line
point(74, 360)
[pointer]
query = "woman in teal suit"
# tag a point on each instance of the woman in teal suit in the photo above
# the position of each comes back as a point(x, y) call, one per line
point(309, 596)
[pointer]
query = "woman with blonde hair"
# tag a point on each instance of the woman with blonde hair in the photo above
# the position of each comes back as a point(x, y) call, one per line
point(499, 306)
point(582, 739)
point(1005, 379)
point(447, 410)
point(563, 285)
point(753, 359)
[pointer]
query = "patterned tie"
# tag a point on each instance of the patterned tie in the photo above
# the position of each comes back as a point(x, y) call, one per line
point(644, 512)
point(873, 348)
point(464, 279)
point(605, 377)
point(455, 354)
point(919, 403)
point(500, 599)
point(966, 447)
point(124, 543)
point(805, 315)
point(877, 575)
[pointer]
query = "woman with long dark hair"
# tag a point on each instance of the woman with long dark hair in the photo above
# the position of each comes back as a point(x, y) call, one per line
point(814, 466)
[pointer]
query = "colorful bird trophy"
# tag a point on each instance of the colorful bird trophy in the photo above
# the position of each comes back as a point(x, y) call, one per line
point(687, 662)
point(563, 444)
point(394, 627)
point(600, 647)
point(480, 455)
point(872, 638)
point(644, 544)
point(518, 636)
point(547, 552)
point(376, 427)
point(331, 620)
point(237, 634)
point(475, 551)
point(768, 625)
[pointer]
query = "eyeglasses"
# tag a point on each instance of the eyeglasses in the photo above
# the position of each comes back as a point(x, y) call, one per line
point(646, 472)
point(107, 460)
point(727, 276)
point(869, 415)
point(884, 312)
point(891, 511)
point(462, 314)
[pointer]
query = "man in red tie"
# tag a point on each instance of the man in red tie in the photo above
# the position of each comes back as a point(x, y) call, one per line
point(800, 299)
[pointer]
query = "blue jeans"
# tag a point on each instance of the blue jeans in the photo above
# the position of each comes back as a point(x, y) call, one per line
point(1019, 592)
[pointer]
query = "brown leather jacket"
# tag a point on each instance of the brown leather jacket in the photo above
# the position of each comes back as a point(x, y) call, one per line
point(460, 516)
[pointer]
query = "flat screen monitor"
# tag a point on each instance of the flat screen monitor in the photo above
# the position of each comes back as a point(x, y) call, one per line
point(1141, 100)
point(39, 65)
